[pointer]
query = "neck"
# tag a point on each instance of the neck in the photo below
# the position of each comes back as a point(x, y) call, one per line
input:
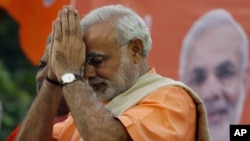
point(143, 68)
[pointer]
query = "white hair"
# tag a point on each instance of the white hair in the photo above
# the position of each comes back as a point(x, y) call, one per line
point(211, 19)
point(126, 22)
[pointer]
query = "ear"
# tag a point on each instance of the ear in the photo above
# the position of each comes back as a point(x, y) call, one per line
point(136, 48)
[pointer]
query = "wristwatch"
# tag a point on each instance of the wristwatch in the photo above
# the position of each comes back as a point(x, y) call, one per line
point(69, 78)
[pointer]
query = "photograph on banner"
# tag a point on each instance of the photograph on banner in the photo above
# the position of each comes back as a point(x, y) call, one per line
point(214, 63)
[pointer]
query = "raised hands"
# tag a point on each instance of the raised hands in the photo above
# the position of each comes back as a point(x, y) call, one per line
point(67, 53)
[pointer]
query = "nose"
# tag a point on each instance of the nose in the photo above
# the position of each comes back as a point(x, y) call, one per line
point(212, 88)
point(89, 71)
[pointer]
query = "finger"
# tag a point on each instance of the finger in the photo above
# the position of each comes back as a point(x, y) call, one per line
point(72, 22)
point(51, 45)
point(65, 21)
point(52, 33)
point(78, 25)
point(52, 40)
point(58, 28)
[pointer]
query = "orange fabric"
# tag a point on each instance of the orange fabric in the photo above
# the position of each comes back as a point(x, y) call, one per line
point(167, 114)
point(66, 131)
point(13, 134)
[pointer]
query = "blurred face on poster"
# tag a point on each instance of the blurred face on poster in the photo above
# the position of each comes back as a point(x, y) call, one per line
point(215, 72)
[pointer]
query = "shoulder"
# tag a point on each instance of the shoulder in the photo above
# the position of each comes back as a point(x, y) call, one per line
point(171, 93)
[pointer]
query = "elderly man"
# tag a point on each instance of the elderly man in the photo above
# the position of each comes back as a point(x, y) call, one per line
point(99, 65)
point(214, 63)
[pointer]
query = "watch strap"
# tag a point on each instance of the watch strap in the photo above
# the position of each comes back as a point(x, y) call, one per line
point(52, 81)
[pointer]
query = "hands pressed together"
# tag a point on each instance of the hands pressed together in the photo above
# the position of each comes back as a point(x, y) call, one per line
point(67, 51)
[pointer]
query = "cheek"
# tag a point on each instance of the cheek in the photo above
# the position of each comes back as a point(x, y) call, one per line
point(108, 71)
point(112, 67)
point(105, 73)
point(198, 90)
point(234, 88)
point(234, 93)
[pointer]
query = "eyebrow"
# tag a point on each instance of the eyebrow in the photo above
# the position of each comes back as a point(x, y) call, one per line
point(94, 54)
point(226, 64)
point(198, 70)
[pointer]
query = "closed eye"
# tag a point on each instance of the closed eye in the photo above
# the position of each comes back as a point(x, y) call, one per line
point(96, 60)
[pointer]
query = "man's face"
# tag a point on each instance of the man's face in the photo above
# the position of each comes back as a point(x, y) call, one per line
point(117, 72)
point(214, 72)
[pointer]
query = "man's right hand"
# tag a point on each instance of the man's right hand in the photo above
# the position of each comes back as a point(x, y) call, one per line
point(68, 48)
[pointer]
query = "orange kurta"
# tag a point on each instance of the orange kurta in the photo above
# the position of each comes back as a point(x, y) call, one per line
point(167, 114)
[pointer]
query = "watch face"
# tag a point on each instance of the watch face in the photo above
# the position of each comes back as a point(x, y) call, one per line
point(68, 77)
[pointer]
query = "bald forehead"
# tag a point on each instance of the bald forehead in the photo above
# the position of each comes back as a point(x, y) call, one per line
point(214, 47)
point(222, 38)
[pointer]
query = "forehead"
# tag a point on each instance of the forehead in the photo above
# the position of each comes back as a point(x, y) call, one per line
point(99, 36)
point(214, 47)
